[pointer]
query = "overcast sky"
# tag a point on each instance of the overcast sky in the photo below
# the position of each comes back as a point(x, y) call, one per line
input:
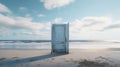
point(32, 19)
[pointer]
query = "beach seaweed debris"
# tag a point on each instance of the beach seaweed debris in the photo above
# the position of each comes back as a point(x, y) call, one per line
point(2, 59)
point(96, 63)
point(15, 57)
point(88, 63)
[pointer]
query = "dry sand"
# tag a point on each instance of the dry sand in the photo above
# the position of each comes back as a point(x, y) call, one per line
point(43, 58)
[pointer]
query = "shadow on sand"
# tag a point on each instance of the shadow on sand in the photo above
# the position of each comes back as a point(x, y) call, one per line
point(29, 59)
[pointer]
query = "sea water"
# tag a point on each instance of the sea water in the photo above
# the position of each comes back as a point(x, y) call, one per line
point(47, 45)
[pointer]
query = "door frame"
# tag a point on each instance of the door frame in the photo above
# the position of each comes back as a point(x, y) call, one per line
point(66, 33)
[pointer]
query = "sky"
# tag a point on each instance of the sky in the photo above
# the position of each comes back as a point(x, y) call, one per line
point(32, 19)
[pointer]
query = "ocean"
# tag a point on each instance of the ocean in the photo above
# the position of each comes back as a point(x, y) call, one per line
point(46, 44)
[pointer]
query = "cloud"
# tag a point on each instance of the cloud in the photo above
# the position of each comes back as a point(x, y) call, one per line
point(88, 26)
point(20, 26)
point(28, 15)
point(51, 4)
point(91, 23)
point(115, 25)
point(33, 33)
point(4, 31)
point(10, 23)
point(4, 9)
point(95, 27)
point(79, 28)
point(58, 20)
point(41, 15)
point(23, 8)
point(5, 20)
point(20, 23)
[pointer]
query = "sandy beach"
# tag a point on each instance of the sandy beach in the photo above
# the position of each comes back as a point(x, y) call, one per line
point(43, 58)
